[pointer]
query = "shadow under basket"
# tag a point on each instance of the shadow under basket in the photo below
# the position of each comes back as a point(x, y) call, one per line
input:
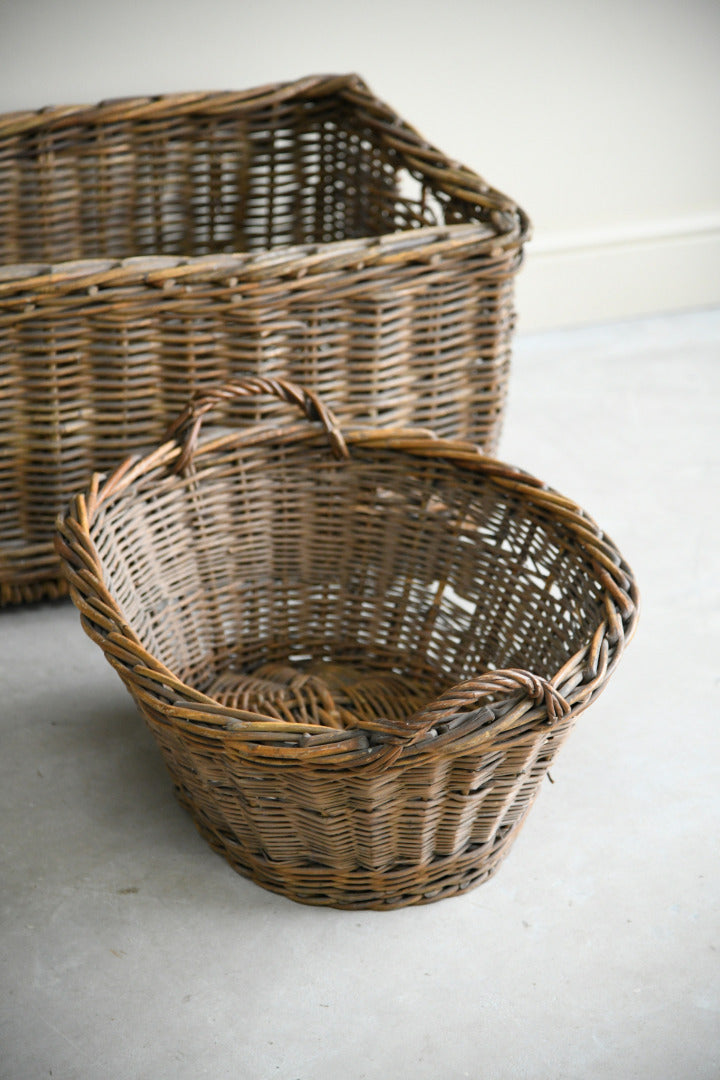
point(303, 230)
point(359, 652)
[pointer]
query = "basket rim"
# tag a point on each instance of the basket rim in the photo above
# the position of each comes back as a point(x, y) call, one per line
point(524, 698)
point(289, 263)
point(148, 106)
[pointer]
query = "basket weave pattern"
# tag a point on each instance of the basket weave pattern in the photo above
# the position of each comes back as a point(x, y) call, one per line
point(358, 659)
point(302, 230)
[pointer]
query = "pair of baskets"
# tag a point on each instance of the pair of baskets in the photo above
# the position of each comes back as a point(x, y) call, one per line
point(358, 644)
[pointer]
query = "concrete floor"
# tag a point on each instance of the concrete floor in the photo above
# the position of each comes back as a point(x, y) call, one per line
point(130, 951)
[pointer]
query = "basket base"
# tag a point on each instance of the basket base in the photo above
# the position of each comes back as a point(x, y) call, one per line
point(356, 890)
point(13, 593)
point(340, 693)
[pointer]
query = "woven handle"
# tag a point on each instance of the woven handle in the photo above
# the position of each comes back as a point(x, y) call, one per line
point(186, 428)
point(461, 698)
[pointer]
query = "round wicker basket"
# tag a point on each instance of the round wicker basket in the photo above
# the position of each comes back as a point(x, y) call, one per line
point(359, 653)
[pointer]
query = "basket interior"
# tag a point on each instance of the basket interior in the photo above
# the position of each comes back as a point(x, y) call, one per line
point(114, 183)
point(278, 579)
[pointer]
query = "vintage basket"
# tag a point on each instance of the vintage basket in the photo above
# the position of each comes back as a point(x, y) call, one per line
point(358, 664)
point(299, 230)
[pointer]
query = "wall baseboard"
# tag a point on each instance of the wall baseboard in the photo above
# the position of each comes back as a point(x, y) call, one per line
point(602, 275)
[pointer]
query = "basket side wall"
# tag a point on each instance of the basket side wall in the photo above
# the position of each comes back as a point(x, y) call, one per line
point(293, 170)
point(89, 376)
point(416, 833)
point(290, 173)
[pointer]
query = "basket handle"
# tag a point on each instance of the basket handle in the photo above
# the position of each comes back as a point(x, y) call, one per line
point(462, 697)
point(186, 428)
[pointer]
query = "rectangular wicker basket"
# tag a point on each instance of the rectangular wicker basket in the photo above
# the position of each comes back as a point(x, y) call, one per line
point(302, 230)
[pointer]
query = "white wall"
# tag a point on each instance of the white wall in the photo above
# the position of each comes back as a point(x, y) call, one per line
point(600, 116)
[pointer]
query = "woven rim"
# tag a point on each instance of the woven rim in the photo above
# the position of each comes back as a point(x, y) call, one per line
point(478, 710)
point(294, 261)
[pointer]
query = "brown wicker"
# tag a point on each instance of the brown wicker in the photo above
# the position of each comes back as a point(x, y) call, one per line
point(300, 230)
point(358, 665)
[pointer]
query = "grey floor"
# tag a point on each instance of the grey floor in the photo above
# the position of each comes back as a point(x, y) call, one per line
point(130, 951)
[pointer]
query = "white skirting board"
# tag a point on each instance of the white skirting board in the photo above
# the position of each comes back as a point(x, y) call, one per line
point(594, 276)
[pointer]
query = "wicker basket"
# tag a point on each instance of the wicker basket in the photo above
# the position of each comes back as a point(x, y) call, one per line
point(299, 230)
point(358, 665)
